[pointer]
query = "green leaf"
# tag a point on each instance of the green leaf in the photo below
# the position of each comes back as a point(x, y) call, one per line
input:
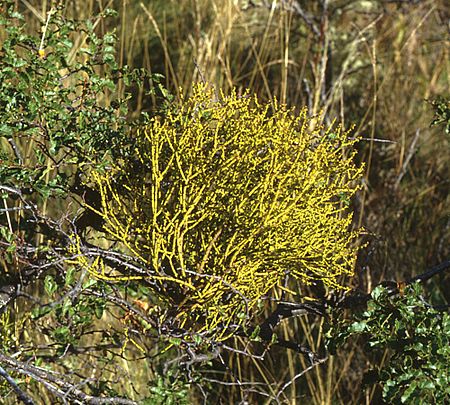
point(67, 304)
point(358, 327)
point(197, 339)
point(61, 333)
point(99, 308)
point(70, 276)
point(50, 285)
point(40, 311)
point(255, 334)
point(11, 248)
point(378, 292)
point(405, 398)
point(89, 283)
point(6, 234)
point(175, 341)
point(6, 130)
point(54, 146)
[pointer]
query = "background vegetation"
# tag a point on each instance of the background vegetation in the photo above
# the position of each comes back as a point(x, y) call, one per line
point(371, 63)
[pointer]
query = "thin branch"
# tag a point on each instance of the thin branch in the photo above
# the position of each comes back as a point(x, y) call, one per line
point(60, 387)
point(445, 265)
point(296, 377)
point(412, 150)
point(20, 394)
point(26, 207)
point(358, 298)
point(294, 6)
point(16, 150)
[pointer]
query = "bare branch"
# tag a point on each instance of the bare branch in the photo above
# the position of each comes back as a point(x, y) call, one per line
point(58, 385)
point(296, 377)
point(21, 395)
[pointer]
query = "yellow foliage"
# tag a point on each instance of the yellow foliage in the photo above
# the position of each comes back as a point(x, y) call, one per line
point(222, 199)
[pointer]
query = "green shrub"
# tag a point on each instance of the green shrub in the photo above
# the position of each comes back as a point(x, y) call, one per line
point(61, 114)
point(417, 338)
point(58, 101)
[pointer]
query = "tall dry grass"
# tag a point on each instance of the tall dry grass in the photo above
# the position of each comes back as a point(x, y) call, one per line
point(371, 63)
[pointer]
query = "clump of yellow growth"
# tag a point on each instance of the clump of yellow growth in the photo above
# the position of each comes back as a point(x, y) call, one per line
point(222, 199)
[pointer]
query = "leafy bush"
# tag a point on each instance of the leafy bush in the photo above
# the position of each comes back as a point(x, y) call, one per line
point(418, 339)
point(58, 101)
point(61, 114)
point(168, 390)
point(220, 201)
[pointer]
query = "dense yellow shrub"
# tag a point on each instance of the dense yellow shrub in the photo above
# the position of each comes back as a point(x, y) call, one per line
point(223, 199)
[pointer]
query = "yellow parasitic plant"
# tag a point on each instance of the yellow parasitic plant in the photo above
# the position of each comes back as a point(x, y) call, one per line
point(222, 199)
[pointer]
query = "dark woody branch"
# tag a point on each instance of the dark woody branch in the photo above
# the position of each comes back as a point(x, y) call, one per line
point(21, 395)
point(357, 298)
point(55, 383)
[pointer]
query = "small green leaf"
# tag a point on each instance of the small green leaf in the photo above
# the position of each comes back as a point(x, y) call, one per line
point(6, 130)
point(89, 283)
point(175, 341)
point(70, 276)
point(66, 306)
point(197, 339)
point(378, 292)
point(50, 285)
point(358, 327)
point(61, 333)
point(255, 334)
point(39, 312)
point(11, 248)
point(408, 392)
point(53, 147)
point(99, 307)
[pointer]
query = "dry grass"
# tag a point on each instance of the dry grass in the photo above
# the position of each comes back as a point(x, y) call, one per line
point(372, 63)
